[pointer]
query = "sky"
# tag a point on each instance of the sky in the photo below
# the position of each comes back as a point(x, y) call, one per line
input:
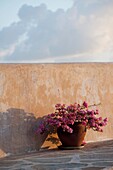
point(61, 31)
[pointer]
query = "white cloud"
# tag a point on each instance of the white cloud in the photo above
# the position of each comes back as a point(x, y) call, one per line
point(82, 33)
point(7, 52)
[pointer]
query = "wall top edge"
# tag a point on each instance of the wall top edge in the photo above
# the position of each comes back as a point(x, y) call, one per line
point(82, 63)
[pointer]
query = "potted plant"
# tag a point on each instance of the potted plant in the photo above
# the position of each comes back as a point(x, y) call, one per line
point(71, 123)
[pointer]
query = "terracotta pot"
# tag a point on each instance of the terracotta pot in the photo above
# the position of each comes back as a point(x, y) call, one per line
point(74, 139)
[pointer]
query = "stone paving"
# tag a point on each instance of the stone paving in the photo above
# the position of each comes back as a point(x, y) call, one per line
point(94, 156)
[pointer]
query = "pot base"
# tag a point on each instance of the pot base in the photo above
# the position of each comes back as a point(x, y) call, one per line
point(70, 147)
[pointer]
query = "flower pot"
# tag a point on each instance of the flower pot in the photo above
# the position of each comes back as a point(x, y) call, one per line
point(74, 139)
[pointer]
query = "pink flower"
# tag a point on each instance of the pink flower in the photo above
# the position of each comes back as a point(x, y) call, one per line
point(64, 116)
point(84, 123)
point(85, 104)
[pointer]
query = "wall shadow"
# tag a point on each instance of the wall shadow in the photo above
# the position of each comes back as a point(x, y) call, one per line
point(17, 132)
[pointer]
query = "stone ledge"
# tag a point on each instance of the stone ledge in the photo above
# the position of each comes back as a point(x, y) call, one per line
point(94, 156)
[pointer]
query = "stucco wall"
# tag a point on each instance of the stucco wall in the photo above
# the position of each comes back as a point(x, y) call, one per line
point(29, 91)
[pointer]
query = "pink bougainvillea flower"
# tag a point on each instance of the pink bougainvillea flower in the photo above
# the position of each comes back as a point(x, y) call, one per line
point(64, 116)
point(85, 104)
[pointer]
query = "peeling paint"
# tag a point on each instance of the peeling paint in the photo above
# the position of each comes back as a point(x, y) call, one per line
point(2, 80)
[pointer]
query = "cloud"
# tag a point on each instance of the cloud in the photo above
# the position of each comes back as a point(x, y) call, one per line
point(7, 52)
point(81, 33)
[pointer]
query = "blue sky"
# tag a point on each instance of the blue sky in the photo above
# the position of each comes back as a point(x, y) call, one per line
point(37, 31)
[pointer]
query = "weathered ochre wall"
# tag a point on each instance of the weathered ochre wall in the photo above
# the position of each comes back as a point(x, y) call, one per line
point(29, 91)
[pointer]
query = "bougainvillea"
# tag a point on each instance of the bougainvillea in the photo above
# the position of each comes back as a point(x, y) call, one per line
point(64, 116)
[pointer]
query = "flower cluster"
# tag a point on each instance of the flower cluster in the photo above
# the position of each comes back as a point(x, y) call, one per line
point(64, 116)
